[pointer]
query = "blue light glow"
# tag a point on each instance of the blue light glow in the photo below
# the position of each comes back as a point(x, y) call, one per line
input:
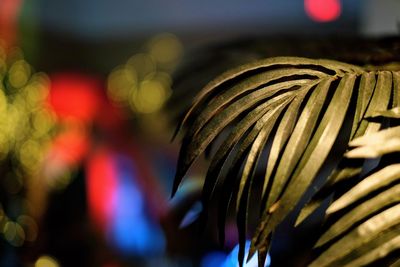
point(219, 259)
point(132, 230)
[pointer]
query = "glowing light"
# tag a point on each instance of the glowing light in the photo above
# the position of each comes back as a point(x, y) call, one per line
point(43, 120)
point(46, 261)
point(30, 154)
point(144, 237)
point(19, 74)
point(101, 184)
point(323, 10)
point(75, 96)
point(37, 90)
point(70, 146)
point(117, 205)
point(165, 48)
point(14, 233)
point(144, 82)
point(24, 134)
point(150, 97)
point(143, 64)
point(120, 83)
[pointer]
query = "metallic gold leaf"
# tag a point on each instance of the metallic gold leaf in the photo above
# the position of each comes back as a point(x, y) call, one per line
point(388, 197)
point(328, 66)
point(379, 101)
point(391, 113)
point(376, 180)
point(377, 253)
point(298, 140)
point(365, 91)
point(242, 107)
point(338, 175)
point(313, 157)
point(372, 250)
point(282, 135)
point(363, 233)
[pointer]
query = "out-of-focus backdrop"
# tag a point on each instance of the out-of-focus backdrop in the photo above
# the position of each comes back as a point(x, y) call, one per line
point(89, 101)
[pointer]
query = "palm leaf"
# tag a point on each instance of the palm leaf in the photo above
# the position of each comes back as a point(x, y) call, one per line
point(362, 234)
point(311, 161)
point(297, 107)
point(383, 237)
point(372, 96)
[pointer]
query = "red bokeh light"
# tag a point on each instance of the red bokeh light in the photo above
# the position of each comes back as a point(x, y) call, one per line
point(323, 10)
point(75, 96)
point(101, 179)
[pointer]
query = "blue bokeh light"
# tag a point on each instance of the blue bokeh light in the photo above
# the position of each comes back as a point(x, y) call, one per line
point(133, 231)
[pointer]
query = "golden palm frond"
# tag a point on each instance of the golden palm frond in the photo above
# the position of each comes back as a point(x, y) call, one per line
point(297, 109)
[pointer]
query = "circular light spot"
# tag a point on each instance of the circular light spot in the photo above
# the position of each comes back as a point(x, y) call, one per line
point(43, 121)
point(120, 82)
point(19, 74)
point(323, 10)
point(14, 233)
point(46, 261)
point(30, 154)
point(150, 97)
point(165, 48)
point(143, 64)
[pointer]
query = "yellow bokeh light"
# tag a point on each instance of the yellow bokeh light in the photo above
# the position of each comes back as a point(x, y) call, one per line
point(19, 74)
point(14, 233)
point(150, 96)
point(25, 130)
point(9, 230)
point(30, 154)
point(42, 121)
point(120, 83)
point(46, 261)
point(151, 86)
point(166, 48)
point(142, 64)
point(38, 88)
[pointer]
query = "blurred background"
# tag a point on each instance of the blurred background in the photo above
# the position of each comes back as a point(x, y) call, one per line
point(90, 94)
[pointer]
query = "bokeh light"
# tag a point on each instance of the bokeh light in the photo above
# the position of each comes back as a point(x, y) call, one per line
point(144, 83)
point(323, 10)
point(26, 128)
point(46, 261)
